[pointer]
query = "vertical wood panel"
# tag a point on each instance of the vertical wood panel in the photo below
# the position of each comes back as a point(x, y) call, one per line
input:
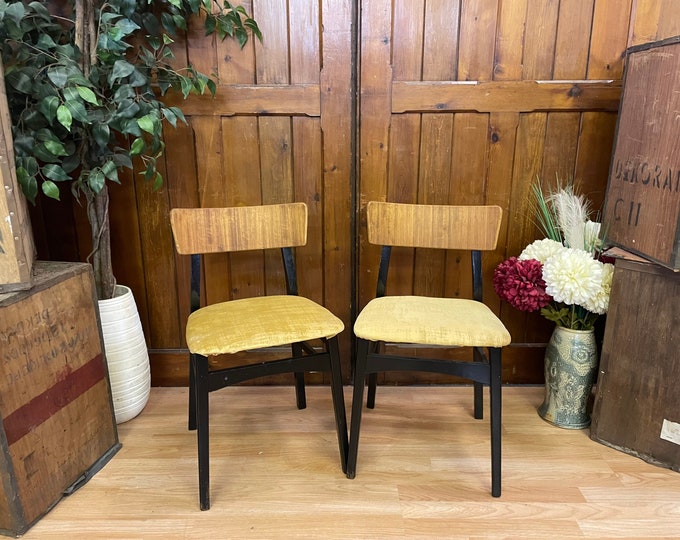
point(409, 26)
point(573, 39)
point(477, 40)
point(510, 40)
point(182, 189)
point(157, 245)
point(539, 39)
point(308, 175)
point(654, 20)
point(609, 38)
point(375, 77)
point(440, 48)
point(272, 64)
point(337, 124)
point(125, 238)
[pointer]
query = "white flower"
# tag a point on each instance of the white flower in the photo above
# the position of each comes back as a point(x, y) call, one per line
point(599, 302)
point(591, 236)
point(572, 276)
point(541, 250)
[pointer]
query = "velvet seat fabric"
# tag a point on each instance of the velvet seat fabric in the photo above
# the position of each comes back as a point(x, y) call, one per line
point(254, 323)
point(431, 321)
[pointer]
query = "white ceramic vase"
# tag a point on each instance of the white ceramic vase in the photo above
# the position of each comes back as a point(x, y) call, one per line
point(126, 354)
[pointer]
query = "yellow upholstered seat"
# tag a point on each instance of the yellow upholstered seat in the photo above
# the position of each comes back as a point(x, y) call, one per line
point(256, 323)
point(431, 321)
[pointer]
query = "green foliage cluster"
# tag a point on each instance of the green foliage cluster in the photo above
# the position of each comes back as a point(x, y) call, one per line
point(80, 119)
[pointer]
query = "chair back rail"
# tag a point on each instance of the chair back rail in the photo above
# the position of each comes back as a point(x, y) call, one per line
point(217, 230)
point(433, 226)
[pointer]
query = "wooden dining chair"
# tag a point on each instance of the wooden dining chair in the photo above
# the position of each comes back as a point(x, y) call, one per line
point(447, 322)
point(253, 323)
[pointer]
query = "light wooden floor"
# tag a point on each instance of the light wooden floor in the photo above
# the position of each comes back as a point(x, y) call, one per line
point(423, 472)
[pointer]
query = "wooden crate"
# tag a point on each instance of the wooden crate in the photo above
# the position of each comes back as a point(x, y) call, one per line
point(637, 403)
point(642, 207)
point(17, 250)
point(57, 423)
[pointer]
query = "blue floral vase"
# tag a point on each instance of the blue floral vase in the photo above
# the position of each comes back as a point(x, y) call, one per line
point(570, 370)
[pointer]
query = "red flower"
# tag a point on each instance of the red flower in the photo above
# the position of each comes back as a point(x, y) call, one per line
point(520, 283)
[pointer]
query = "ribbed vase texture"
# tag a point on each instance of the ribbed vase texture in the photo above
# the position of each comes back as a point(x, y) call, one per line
point(570, 370)
point(126, 354)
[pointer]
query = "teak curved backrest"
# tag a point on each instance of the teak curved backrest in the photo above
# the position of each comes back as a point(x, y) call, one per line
point(242, 228)
point(433, 226)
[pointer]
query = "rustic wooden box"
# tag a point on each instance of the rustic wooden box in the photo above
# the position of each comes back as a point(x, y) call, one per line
point(642, 207)
point(17, 250)
point(57, 423)
point(637, 403)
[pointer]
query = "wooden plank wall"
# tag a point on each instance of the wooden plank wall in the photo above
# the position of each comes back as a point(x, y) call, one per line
point(458, 101)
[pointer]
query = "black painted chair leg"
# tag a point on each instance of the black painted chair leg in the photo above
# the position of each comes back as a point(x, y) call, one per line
point(478, 388)
point(372, 388)
point(357, 405)
point(338, 400)
point(495, 406)
point(192, 393)
point(300, 395)
point(203, 432)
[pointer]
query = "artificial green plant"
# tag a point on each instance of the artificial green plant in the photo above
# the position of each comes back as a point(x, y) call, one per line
point(84, 82)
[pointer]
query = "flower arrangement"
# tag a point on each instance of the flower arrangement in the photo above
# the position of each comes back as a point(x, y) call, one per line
point(560, 275)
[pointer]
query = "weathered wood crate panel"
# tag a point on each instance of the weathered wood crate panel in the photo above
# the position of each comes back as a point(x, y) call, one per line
point(17, 251)
point(637, 405)
point(56, 416)
point(642, 209)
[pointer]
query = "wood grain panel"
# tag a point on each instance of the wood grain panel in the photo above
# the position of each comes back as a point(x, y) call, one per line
point(477, 40)
point(516, 96)
point(539, 39)
point(609, 38)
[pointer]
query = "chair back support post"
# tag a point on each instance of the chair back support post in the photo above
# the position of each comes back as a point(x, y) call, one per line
point(290, 268)
point(381, 286)
point(195, 289)
point(477, 293)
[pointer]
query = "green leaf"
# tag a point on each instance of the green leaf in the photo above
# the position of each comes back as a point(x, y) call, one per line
point(87, 95)
point(101, 133)
point(170, 116)
point(55, 172)
point(15, 12)
point(78, 111)
point(55, 148)
point(50, 189)
point(96, 180)
point(122, 160)
point(20, 80)
point(121, 69)
point(64, 116)
point(137, 146)
point(126, 26)
point(157, 181)
point(44, 155)
point(147, 123)
point(58, 75)
point(29, 185)
point(48, 107)
point(110, 171)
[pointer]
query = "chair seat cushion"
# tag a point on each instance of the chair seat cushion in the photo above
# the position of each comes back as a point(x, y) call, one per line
point(253, 323)
point(431, 321)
